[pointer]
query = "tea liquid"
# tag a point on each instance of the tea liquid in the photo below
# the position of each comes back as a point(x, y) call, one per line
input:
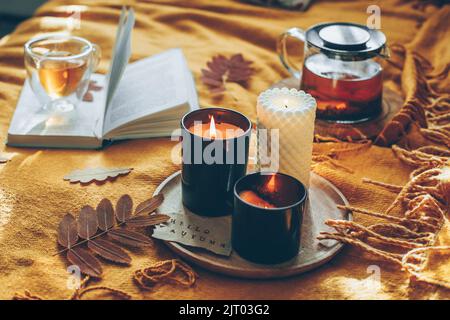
point(346, 91)
point(61, 78)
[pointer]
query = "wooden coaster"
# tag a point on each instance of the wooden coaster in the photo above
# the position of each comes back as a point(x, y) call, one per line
point(324, 197)
point(392, 102)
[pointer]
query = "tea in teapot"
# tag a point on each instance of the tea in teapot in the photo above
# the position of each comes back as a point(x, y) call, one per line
point(341, 69)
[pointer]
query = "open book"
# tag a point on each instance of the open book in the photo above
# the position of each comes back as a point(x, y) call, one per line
point(143, 99)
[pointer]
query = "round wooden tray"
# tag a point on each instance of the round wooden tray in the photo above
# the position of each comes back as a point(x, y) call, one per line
point(392, 102)
point(324, 197)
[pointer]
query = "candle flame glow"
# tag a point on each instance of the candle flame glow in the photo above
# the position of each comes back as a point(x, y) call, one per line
point(212, 128)
point(271, 184)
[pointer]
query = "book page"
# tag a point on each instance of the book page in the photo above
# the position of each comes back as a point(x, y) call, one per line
point(149, 86)
point(121, 52)
point(86, 120)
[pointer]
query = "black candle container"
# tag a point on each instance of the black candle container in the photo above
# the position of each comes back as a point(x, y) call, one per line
point(268, 235)
point(207, 188)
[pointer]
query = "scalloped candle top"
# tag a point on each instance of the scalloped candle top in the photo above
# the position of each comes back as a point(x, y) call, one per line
point(287, 100)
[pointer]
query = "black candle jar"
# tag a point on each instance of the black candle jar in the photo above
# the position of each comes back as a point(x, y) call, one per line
point(211, 166)
point(268, 235)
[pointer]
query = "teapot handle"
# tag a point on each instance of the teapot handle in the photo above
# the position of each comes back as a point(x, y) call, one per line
point(295, 33)
point(385, 52)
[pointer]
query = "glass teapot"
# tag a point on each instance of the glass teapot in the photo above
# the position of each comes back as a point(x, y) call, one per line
point(341, 69)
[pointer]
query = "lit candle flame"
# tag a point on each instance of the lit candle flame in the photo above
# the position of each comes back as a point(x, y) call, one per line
point(271, 184)
point(212, 128)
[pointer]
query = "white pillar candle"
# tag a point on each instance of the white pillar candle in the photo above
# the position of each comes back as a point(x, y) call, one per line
point(292, 112)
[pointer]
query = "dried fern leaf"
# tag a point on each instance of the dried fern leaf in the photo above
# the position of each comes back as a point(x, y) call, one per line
point(87, 222)
point(95, 174)
point(130, 238)
point(146, 221)
point(150, 205)
point(105, 215)
point(109, 251)
point(67, 231)
point(87, 263)
point(124, 208)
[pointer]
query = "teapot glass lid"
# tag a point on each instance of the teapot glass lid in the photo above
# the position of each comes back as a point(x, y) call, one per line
point(347, 41)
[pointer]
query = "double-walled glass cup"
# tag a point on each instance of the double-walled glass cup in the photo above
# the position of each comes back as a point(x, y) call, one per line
point(58, 69)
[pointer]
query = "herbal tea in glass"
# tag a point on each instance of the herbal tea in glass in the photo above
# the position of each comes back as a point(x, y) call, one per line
point(59, 68)
point(61, 78)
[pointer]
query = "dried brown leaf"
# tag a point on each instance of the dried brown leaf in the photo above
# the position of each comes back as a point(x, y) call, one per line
point(87, 222)
point(95, 174)
point(109, 251)
point(211, 82)
point(88, 97)
point(90, 220)
point(146, 221)
point(217, 67)
point(238, 59)
point(217, 77)
point(124, 208)
point(87, 263)
point(105, 215)
point(67, 231)
point(93, 86)
point(128, 237)
point(217, 90)
point(221, 69)
point(150, 205)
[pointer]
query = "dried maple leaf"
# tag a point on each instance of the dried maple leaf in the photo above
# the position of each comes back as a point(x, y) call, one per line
point(95, 174)
point(93, 86)
point(88, 96)
point(104, 218)
point(222, 69)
